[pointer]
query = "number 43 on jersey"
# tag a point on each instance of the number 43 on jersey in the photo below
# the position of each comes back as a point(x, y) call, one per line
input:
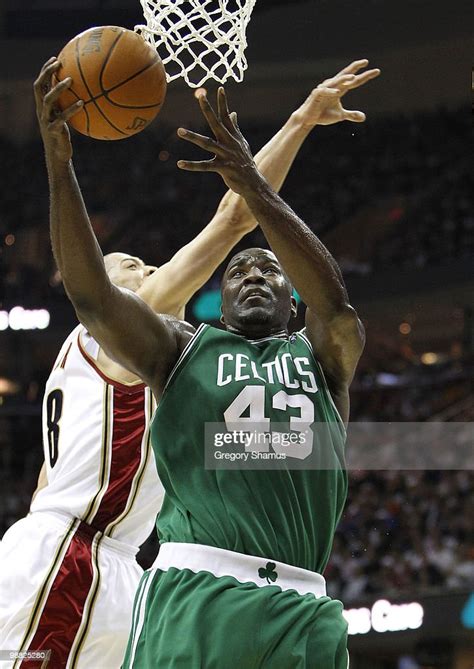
point(251, 401)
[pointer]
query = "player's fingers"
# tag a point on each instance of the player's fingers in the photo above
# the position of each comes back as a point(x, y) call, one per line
point(50, 107)
point(72, 110)
point(339, 81)
point(50, 60)
point(197, 166)
point(355, 66)
point(328, 90)
point(223, 110)
point(363, 78)
point(210, 115)
point(55, 116)
point(43, 81)
point(237, 131)
point(51, 97)
point(203, 142)
point(354, 116)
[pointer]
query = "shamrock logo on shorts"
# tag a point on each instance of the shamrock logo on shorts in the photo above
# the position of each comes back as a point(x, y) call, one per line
point(268, 572)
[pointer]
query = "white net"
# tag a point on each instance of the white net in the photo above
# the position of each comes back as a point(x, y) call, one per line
point(198, 39)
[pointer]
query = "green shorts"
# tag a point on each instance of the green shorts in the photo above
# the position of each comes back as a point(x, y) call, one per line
point(205, 608)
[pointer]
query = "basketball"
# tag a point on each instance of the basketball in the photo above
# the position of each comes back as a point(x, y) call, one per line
point(120, 78)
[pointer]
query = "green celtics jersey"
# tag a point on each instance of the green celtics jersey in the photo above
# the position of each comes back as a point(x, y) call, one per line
point(225, 395)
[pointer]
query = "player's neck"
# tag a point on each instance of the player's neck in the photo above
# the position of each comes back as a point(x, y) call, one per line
point(258, 333)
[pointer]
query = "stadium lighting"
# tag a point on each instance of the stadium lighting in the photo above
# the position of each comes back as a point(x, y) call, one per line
point(385, 617)
point(429, 358)
point(8, 387)
point(19, 318)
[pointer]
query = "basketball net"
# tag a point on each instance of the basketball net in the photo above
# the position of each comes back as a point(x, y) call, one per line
point(198, 39)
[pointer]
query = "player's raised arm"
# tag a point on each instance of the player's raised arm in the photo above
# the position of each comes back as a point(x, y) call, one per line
point(332, 324)
point(127, 329)
point(170, 288)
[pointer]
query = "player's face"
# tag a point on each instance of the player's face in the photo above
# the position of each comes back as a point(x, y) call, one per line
point(127, 271)
point(256, 294)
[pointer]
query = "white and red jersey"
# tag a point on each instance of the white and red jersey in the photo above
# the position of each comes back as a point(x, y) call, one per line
point(99, 460)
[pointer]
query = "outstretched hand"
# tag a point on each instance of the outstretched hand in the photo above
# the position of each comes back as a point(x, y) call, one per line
point(324, 107)
point(233, 158)
point(53, 121)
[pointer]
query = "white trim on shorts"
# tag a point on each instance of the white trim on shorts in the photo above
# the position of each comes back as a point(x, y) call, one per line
point(138, 621)
point(244, 568)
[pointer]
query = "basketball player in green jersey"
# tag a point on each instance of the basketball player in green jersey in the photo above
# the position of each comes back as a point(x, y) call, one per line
point(237, 582)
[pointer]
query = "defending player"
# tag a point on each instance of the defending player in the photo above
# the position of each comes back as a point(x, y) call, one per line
point(102, 492)
point(229, 534)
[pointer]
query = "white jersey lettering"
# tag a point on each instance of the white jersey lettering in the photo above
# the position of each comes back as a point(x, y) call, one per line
point(284, 370)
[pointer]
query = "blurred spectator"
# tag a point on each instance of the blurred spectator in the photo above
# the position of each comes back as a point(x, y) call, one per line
point(139, 201)
point(402, 531)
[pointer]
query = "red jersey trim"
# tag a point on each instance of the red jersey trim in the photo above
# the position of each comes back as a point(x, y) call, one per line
point(62, 615)
point(130, 389)
point(129, 427)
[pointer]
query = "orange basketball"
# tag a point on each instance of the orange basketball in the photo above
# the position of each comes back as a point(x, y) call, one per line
point(120, 78)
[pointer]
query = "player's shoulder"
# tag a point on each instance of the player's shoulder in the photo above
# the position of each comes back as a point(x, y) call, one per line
point(68, 344)
point(302, 335)
point(78, 330)
point(72, 337)
point(184, 331)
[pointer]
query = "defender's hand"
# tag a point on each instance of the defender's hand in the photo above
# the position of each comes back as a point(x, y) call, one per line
point(53, 121)
point(233, 158)
point(323, 106)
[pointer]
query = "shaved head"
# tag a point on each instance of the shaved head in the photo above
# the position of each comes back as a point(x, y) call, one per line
point(126, 271)
point(248, 253)
point(112, 259)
